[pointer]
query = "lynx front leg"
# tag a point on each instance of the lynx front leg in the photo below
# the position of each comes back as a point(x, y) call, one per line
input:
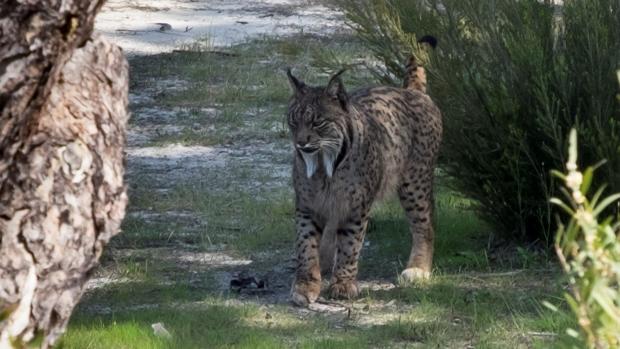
point(307, 284)
point(350, 239)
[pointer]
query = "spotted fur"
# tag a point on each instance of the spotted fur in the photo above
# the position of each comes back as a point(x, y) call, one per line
point(351, 150)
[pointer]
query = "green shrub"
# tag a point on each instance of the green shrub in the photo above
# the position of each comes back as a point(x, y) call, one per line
point(511, 77)
point(589, 251)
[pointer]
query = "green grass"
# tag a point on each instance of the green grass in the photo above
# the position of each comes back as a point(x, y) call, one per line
point(443, 314)
point(448, 312)
point(475, 298)
point(239, 220)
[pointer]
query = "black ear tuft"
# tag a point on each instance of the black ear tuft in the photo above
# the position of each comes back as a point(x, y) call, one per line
point(335, 88)
point(430, 40)
point(296, 84)
point(337, 75)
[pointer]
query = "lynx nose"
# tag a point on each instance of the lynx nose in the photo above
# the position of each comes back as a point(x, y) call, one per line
point(306, 147)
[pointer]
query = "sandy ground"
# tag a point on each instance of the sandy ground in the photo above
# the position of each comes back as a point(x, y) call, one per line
point(149, 27)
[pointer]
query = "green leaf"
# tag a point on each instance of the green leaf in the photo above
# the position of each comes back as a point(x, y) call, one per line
point(572, 303)
point(606, 202)
point(601, 294)
point(560, 203)
point(598, 164)
point(587, 180)
point(572, 231)
point(550, 306)
point(572, 333)
point(597, 195)
point(558, 174)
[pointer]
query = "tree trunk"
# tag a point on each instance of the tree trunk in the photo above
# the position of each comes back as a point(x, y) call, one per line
point(63, 112)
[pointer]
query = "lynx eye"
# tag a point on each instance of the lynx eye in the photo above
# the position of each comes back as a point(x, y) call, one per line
point(318, 123)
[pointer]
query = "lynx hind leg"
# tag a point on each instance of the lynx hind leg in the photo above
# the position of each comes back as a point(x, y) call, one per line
point(350, 240)
point(416, 197)
point(307, 285)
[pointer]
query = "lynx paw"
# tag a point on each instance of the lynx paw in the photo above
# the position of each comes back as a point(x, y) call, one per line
point(303, 294)
point(344, 289)
point(412, 275)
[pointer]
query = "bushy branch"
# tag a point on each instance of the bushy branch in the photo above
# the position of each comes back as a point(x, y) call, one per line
point(589, 250)
point(511, 78)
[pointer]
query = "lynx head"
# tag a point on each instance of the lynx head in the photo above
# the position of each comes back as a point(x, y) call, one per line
point(317, 117)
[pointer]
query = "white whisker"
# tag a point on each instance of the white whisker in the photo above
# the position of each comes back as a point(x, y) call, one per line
point(330, 149)
point(328, 162)
point(311, 160)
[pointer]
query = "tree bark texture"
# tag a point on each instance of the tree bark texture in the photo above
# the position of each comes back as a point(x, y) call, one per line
point(63, 113)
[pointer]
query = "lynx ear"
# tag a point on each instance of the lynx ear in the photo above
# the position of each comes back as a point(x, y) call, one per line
point(297, 85)
point(335, 88)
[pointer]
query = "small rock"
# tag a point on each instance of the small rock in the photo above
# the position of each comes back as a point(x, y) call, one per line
point(160, 331)
point(163, 27)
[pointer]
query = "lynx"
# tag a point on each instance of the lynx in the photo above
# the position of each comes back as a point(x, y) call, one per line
point(351, 150)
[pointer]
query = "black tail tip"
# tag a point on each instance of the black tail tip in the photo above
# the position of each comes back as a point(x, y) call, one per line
point(429, 39)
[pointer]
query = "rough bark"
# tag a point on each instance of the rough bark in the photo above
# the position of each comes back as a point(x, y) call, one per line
point(63, 111)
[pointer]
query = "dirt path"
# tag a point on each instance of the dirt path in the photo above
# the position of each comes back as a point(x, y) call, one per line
point(156, 26)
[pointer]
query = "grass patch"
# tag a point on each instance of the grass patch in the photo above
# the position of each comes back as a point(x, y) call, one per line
point(448, 312)
point(240, 221)
point(210, 325)
point(483, 312)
